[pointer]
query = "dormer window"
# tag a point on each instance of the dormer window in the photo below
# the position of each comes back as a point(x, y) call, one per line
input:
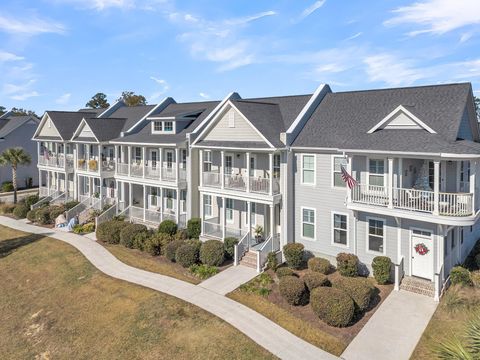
point(168, 126)
point(162, 127)
point(157, 126)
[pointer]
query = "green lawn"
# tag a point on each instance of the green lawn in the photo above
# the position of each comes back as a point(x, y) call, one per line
point(55, 304)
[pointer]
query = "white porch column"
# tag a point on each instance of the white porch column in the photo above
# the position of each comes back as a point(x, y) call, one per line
point(249, 219)
point(144, 161)
point(177, 167)
point(129, 158)
point(200, 162)
point(38, 150)
point(116, 159)
point(65, 159)
point(224, 217)
point(247, 156)
point(161, 201)
point(101, 192)
point(130, 194)
point(160, 159)
point(390, 183)
point(144, 203)
point(400, 173)
point(177, 210)
point(398, 265)
point(270, 165)
point(473, 168)
point(442, 231)
point(201, 214)
point(349, 170)
point(48, 182)
point(222, 169)
point(272, 220)
point(436, 186)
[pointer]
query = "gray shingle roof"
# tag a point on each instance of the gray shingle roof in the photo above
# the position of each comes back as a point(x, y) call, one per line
point(343, 119)
point(132, 114)
point(9, 124)
point(67, 122)
point(106, 128)
point(233, 144)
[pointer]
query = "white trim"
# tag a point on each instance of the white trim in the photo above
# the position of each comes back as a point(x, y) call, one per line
point(143, 144)
point(406, 112)
point(332, 232)
point(237, 148)
point(367, 240)
point(40, 126)
point(410, 242)
point(314, 169)
point(212, 113)
point(385, 173)
point(314, 223)
point(80, 128)
point(164, 103)
point(232, 209)
point(332, 173)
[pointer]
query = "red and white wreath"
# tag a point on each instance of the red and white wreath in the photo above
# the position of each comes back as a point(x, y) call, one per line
point(421, 249)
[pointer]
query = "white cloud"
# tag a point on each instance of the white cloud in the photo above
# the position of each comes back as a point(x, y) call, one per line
point(392, 71)
point(164, 87)
point(311, 9)
point(465, 37)
point(6, 56)
point(437, 16)
point(354, 36)
point(101, 5)
point(24, 96)
point(204, 95)
point(29, 25)
point(63, 99)
point(247, 19)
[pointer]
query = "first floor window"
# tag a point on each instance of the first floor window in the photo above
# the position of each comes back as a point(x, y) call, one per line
point(229, 209)
point(308, 169)
point(169, 199)
point(377, 171)
point(376, 236)
point(338, 162)
point(207, 205)
point(340, 229)
point(308, 223)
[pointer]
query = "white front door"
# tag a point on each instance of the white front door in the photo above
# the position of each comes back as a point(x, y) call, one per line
point(422, 254)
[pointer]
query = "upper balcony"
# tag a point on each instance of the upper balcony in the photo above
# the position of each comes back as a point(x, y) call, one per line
point(249, 173)
point(57, 161)
point(95, 159)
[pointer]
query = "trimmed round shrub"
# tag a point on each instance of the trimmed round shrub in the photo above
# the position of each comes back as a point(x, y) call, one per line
point(31, 215)
point(294, 255)
point(229, 246)
point(359, 289)
point(293, 290)
point(31, 199)
point(314, 279)
point(181, 235)
point(71, 204)
point(381, 266)
point(171, 249)
point(284, 271)
point(194, 228)
point(460, 276)
point(347, 264)
point(319, 265)
point(128, 233)
point(140, 239)
point(153, 245)
point(42, 216)
point(186, 255)
point(212, 253)
point(197, 243)
point(272, 261)
point(56, 211)
point(21, 211)
point(109, 231)
point(332, 305)
point(167, 227)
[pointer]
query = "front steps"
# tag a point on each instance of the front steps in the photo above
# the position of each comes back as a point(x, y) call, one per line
point(418, 286)
point(249, 259)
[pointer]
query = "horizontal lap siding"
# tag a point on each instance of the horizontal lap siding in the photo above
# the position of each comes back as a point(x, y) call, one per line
point(242, 131)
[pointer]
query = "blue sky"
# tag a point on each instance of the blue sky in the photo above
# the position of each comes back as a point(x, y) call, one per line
point(55, 54)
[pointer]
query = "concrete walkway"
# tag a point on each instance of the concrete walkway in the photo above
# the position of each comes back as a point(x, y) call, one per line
point(264, 332)
point(229, 279)
point(395, 328)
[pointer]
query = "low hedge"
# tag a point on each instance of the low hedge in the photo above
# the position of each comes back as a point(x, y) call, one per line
point(154, 244)
point(186, 255)
point(284, 271)
point(293, 290)
point(128, 233)
point(21, 211)
point(314, 279)
point(212, 253)
point(460, 276)
point(7, 186)
point(56, 211)
point(229, 246)
point(31, 199)
point(42, 216)
point(381, 266)
point(140, 240)
point(347, 264)
point(319, 265)
point(272, 261)
point(71, 204)
point(359, 289)
point(294, 255)
point(194, 228)
point(109, 231)
point(181, 235)
point(167, 227)
point(7, 208)
point(171, 249)
point(332, 305)
point(31, 215)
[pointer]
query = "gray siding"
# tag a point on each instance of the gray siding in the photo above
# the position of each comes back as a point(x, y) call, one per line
point(465, 130)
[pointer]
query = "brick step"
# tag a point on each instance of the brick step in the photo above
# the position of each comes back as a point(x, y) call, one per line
point(249, 264)
point(418, 286)
point(249, 259)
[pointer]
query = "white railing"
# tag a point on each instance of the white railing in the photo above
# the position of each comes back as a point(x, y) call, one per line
point(260, 185)
point(169, 174)
point(136, 170)
point(233, 232)
point(60, 198)
point(272, 244)
point(235, 182)
point(42, 191)
point(107, 215)
point(122, 169)
point(211, 179)
point(399, 272)
point(182, 221)
point(45, 200)
point(182, 174)
point(152, 172)
point(449, 204)
point(212, 229)
point(153, 216)
point(241, 248)
point(76, 210)
point(108, 165)
point(69, 161)
point(49, 160)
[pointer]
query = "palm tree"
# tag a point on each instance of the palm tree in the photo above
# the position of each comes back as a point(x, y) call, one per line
point(15, 157)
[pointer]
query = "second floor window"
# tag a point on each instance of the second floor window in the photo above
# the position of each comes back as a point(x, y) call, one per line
point(377, 171)
point(168, 126)
point(157, 126)
point(308, 169)
point(228, 164)
point(207, 161)
point(276, 166)
point(338, 162)
point(138, 154)
point(308, 223)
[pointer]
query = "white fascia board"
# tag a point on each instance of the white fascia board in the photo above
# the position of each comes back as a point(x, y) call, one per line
point(79, 128)
point(7, 114)
point(406, 112)
point(118, 104)
point(160, 106)
point(42, 123)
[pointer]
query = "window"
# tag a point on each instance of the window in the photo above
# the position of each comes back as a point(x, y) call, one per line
point(338, 162)
point(376, 235)
point(229, 210)
point(308, 169)
point(377, 170)
point(207, 205)
point(138, 154)
point(231, 119)
point(340, 229)
point(168, 126)
point(453, 239)
point(207, 161)
point(276, 166)
point(464, 176)
point(169, 199)
point(157, 126)
point(183, 202)
point(228, 164)
point(253, 162)
point(184, 159)
point(421, 232)
point(461, 236)
point(154, 157)
point(153, 198)
point(308, 223)
point(169, 155)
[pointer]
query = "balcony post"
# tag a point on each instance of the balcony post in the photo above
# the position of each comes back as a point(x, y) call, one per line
point(224, 217)
point(129, 158)
point(99, 160)
point(222, 173)
point(249, 222)
point(270, 165)
point(201, 215)
point(349, 170)
point(65, 159)
point(247, 155)
point(130, 195)
point(48, 182)
point(473, 169)
point(177, 210)
point(390, 183)
point(116, 159)
point(144, 161)
point(200, 162)
point(272, 220)
point(144, 203)
point(436, 187)
point(160, 160)
point(177, 166)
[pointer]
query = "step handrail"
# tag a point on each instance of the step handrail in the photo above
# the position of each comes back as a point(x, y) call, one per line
point(241, 248)
point(106, 215)
point(46, 199)
point(77, 209)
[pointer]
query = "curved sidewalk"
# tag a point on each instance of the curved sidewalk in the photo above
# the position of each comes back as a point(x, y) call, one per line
point(264, 332)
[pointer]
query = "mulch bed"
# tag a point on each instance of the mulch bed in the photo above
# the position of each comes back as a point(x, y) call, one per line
point(306, 313)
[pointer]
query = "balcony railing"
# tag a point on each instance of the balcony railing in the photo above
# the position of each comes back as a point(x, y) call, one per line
point(152, 171)
point(448, 204)
point(211, 179)
point(56, 160)
point(136, 170)
point(122, 169)
point(262, 185)
point(235, 182)
point(213, 228)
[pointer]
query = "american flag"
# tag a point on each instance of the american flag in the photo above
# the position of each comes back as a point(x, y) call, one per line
point(347, 178)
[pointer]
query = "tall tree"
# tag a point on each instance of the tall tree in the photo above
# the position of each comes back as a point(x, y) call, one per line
point(15, 157)
point(132, 99)
point(477, 106)
point(98, 101)
point(22, 111)
point(3, 110)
